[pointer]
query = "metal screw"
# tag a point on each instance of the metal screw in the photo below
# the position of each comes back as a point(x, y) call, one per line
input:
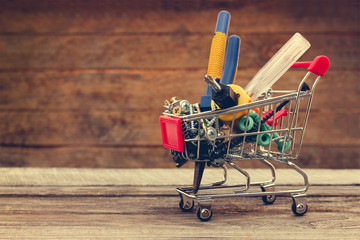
point(211, 133)
point(176, 111)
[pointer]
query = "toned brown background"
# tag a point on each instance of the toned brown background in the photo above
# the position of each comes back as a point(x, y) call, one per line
point(82, 83)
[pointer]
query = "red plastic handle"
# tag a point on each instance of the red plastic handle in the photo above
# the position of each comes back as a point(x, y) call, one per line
point(318, 66)
point(279, 114)
point(301, 65)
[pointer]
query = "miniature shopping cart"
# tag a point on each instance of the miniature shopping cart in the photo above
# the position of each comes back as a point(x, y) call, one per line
point(270, 129)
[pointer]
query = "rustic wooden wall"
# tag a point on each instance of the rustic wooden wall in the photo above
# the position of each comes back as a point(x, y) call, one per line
point(82, 83)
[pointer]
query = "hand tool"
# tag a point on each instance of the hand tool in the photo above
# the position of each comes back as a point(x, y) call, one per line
point(277, 66)
point(216, 58)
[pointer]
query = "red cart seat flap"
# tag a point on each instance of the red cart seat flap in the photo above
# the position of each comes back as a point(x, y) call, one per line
point(172, 134)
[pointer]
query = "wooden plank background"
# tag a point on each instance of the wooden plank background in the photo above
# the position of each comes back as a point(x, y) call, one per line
point(82, 82)
point(58, 203)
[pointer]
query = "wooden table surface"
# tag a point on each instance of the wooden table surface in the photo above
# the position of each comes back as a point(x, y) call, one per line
point(53, 203)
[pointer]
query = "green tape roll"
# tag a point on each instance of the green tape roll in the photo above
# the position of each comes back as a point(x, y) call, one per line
point(242, 123)
point(266, 127)
point(264, 139)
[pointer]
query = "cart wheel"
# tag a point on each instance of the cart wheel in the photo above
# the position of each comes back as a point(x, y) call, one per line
point(187, 207)
point(204, 214)
point(269, 199)
point(299, 209)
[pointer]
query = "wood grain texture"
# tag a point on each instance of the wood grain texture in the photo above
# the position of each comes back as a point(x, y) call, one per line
point(79, 17)
point(160, 217)
point(160, 51)
point(134, 129)
point(152, 178)
point(314, 156)
point(82, 82)
point(124, 90)
point(103, 203)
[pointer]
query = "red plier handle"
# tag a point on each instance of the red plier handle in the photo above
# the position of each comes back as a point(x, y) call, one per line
point(279, 114)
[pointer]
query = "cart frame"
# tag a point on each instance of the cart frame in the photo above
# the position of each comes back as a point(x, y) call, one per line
point(238, 146)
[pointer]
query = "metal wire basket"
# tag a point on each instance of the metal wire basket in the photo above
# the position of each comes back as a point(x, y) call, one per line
point(270, 129)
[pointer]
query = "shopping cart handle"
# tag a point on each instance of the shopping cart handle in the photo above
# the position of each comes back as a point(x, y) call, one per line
point(318, 66)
